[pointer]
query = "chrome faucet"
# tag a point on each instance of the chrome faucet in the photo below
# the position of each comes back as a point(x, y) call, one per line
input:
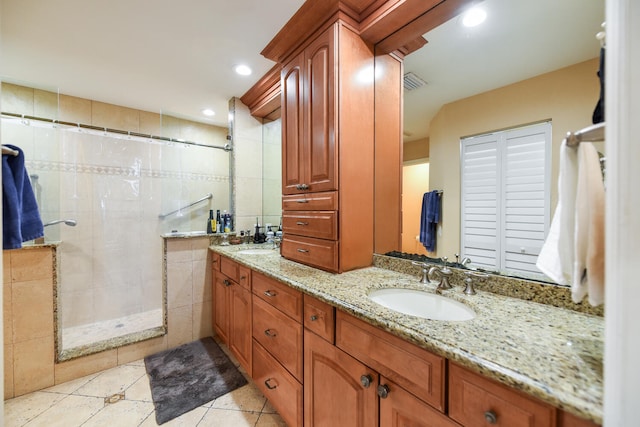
point(425, 271)
point(469, 289)
point(443, 273)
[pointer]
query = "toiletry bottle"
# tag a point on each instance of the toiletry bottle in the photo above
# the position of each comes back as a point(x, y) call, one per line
point(211, 223)
point(226, 218)
point(218, 222)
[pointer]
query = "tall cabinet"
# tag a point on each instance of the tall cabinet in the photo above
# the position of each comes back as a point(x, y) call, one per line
point(328, 151)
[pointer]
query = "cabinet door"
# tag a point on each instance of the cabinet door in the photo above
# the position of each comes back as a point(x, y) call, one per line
point(475, 400)
point(402, 409)
point(240, 325)
point(333, 392)
point(320, 115)
point(221, 283)
point(292, 126)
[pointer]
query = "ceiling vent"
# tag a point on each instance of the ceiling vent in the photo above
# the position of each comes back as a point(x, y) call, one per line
point(412, 81)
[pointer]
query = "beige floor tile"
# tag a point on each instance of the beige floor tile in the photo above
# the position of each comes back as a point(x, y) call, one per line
point(140, 390)
point(247, 398)
point(269, 409)
point(123, 413)
point(71, 386)
point(222, 417)
point(270, 420)
point(190, 419)
point(111, 381)
point(69, 412)
point(24, 408)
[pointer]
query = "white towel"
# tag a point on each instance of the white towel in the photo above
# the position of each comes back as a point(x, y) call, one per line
point(588, 268)
point(557, 254)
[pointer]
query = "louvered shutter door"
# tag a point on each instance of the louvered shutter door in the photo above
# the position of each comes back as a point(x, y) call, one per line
point(480, 206)
point(525, 197)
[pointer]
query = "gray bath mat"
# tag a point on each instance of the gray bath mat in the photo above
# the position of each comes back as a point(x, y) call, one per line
point(189, 376)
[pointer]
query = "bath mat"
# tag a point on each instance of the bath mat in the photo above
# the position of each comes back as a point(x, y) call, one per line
point(189, 376)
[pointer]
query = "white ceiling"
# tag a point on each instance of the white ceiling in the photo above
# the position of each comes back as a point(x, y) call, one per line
point(520, 39)
point(156, 55)
point(176, 57)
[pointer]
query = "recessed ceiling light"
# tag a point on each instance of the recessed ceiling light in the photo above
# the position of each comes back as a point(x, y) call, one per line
point(474, 16)
point(208, 112)
point(243, 70)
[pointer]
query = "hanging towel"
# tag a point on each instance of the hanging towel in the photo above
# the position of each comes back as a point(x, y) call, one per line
point(429, 219)
point(20, 217)
point(556, 258)
point(588, 268)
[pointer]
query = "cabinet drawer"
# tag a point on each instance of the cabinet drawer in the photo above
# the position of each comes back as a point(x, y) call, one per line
point(244, 277)
point(279, 386)
point(230, 268)
point(319, 317)
point(320, 224)
point(566, 419)
point(279, 295)
point(327, 201)
point(319, 253)
point(411, 367)
point(472, 398)
point(279, 335)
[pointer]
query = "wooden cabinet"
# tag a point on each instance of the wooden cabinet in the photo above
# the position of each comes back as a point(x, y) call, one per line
point(278, 346)
point(333, 392)
point(402, 409)
point(232, 310)
point(327, 122)
point(320, 317)
point(478, 401)
point(343, 388)
point(413, 368)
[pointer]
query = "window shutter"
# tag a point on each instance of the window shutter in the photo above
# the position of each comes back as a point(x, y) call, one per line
point(505, 198)
point(480, 204)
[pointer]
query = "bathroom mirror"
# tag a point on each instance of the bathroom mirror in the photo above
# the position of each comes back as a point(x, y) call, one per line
point(529, 62)
point(272, 170)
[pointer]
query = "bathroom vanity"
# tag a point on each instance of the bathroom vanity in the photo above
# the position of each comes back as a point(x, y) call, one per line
point(324, 353)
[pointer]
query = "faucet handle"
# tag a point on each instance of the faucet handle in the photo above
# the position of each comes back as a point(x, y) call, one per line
point(469, 289)
point(425, 271)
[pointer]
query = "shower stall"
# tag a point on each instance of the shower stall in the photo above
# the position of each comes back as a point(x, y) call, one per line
point(114, 186)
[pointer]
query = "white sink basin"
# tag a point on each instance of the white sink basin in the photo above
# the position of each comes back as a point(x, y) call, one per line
point(256, 251)
point(422, 304)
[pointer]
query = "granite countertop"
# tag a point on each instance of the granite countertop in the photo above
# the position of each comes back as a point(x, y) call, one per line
point(552, 353)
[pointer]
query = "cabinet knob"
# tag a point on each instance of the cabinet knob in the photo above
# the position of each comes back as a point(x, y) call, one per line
point(313, 318)
point(383, 391)
point(268, 382)
point(269, 294)
point(226, 282)
point(270, 333)
point(366, 380)
point(490, 417)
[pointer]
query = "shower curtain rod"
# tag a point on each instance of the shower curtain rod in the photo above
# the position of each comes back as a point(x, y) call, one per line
point(225, 147)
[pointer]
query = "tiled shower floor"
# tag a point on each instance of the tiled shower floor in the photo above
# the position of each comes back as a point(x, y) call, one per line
point(81, 402)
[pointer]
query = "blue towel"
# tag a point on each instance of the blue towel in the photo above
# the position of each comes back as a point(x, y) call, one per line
point(429, 219)
point(20, 217)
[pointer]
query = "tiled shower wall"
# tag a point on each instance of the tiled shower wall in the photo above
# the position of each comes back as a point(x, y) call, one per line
point(115, 188)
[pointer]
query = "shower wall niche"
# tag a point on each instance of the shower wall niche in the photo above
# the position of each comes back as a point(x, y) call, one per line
point(110, 279)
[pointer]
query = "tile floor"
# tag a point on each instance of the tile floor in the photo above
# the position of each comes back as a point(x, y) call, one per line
point(81, 402)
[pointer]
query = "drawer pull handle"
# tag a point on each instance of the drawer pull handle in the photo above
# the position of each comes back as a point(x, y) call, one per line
point(491, 417)
point(383, 391)
point(302, 187)
point(267, 382)
point(313, 318)
point(302, 223)
point(270, 333)
point(366, 380)
point(302, 201)
point(227, 282)
point(303, 250)
point(270, 294)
